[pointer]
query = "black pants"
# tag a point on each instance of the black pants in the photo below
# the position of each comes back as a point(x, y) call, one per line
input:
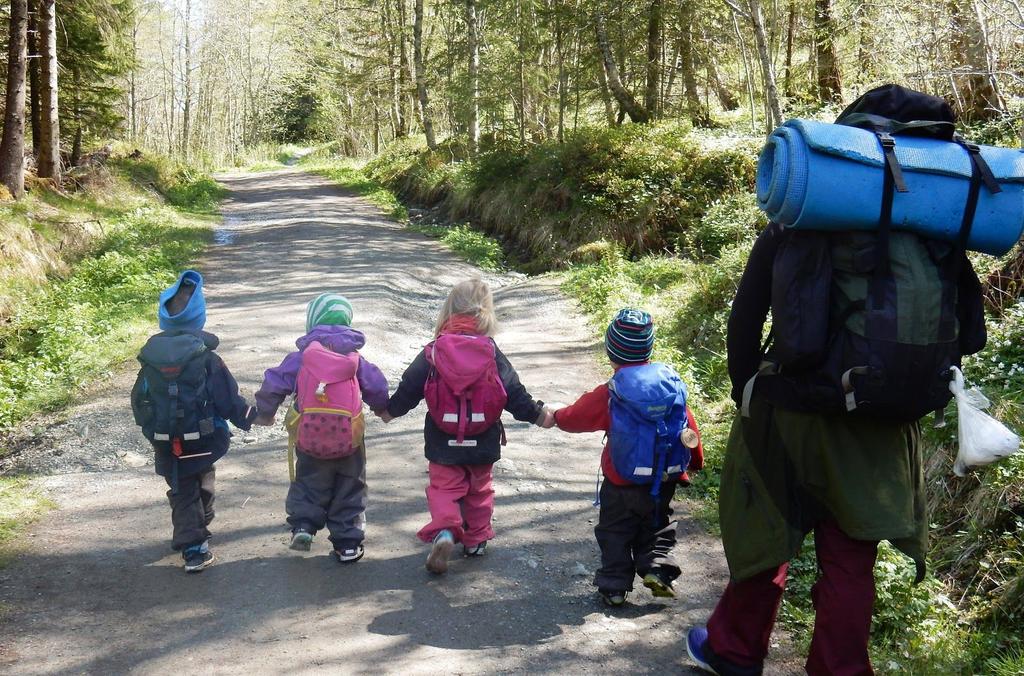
point(330, 493)
point(632, 541)
point(191, 508)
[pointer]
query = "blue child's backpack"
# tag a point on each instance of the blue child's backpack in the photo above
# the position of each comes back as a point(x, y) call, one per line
point(648, 413)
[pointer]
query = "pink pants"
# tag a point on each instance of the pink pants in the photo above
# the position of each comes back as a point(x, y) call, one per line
point(461, 499)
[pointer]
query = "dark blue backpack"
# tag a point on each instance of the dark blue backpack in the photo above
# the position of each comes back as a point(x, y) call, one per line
point(171, 400)
point(648, 413)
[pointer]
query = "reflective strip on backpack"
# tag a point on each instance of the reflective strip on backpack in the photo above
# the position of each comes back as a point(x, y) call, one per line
point(643, 471)
point(467, 443)
point(477, 417)
point(450, 417)
point(851, 397)
point(190, 436)
point(674, 468)
point(160, 436)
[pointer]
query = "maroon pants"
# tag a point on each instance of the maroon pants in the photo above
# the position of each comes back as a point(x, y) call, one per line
point(739, 629)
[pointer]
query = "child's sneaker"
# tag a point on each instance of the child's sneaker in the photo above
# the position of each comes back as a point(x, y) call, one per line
point(660, 586)
point(197, 557)
point(302, 540)
point(612, 597)
point(475, 550)
point(437, 560)
point(349, 554)
point(696, 648)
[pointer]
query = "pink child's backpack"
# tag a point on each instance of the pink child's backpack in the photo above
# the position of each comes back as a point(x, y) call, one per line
point(329, 402)
point(463, 391)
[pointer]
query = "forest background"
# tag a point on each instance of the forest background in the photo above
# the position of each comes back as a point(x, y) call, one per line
point(614, 143)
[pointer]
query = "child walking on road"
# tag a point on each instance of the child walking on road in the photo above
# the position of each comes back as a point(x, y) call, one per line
point(181, 399)
point(651, 434)
point(331, 380)
point(467, 382)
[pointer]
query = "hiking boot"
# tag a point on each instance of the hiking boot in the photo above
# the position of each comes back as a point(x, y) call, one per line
point(612, 597)
point(197, 557)
point(659, 584)
point(437, 560)
point(349, 554)
point(697, 648)
point(302, 540)
point(475, 550)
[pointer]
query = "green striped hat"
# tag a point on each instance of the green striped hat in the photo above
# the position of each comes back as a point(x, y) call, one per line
point(328, 308)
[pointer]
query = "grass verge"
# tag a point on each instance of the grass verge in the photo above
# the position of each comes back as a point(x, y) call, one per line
point(70, 329)
point(20, 504)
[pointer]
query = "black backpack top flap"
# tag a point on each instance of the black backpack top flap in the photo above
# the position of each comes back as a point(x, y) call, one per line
point(898, 110)
point(170, 353)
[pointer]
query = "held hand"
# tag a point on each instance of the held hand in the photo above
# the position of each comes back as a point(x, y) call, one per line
point(264, 419)
point(546, 419)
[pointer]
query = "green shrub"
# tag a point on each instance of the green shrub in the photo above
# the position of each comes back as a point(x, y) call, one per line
point(640, 186)
point(735, 219)
point(184, 186)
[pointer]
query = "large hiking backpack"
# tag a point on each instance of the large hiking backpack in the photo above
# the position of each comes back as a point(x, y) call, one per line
point(463, 391)
point(329, 403)
point(868, 321)
point(171, 400)
point(647, 404)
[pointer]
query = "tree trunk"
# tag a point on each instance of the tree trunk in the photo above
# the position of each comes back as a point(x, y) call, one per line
point(403, 69)
point(49, 137)
point(790, 31)
point(186, 112)
point(627, 103)
point(473, 44)
point(829, 79)
point(976, 83)
point(606, 96)
point(421, 76)
point(654, 45)
point(33, 72)
point(771, 92)
point(698, 114)
point(726, 98)
point(12, 146)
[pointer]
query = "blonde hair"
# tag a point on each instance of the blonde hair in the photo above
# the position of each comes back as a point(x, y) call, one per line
point(470, 297)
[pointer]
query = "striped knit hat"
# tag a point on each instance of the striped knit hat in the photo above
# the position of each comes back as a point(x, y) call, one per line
point(630, 337)
point(328, 308)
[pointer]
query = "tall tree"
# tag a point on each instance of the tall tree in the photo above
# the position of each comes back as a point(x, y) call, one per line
point(636, 112)
point(48, 165)
point(421, 75)
point(976, 90)
point(33, 72)
point(829, 79)
point(12, 146)
point(753, 13)
point(697, 112)
point(654, 49)
point(473, 46)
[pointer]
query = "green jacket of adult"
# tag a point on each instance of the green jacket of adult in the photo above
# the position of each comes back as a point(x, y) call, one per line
point(785, 470)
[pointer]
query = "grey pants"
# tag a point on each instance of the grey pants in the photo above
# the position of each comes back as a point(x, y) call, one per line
point(329, 493)
point(633, 541)
point(191, 508)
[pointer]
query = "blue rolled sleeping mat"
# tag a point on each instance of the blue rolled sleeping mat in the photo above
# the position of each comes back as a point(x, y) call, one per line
point(820, 176)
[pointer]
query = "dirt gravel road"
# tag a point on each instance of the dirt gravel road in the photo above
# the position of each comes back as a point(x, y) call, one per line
point(98, 590)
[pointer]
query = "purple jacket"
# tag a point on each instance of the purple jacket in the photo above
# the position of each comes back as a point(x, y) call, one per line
point(279, 382)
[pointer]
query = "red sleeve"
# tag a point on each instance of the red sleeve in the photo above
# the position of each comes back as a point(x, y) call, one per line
point(588, 414)
point(697, 454)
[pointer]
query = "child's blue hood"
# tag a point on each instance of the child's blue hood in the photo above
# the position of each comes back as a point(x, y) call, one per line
point(340, 339)
point(193, 317)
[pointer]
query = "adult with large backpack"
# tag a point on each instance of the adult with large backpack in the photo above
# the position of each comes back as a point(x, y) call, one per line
point(865, 326)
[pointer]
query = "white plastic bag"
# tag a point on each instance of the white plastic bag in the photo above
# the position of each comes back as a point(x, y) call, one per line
point(983, 439)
